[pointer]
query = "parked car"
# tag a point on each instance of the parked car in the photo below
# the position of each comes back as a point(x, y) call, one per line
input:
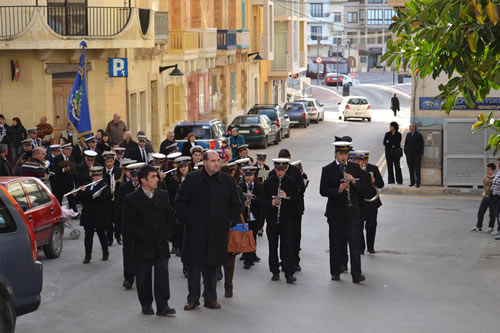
point(42, 210)
point(331, 80)
point(354, 107)
point(314, 109)
point(297, 112)
point(277, 116)
point(209, 134)
point(258, 130)
point(20, 270)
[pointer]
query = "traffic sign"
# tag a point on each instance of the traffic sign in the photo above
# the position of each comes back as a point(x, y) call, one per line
point(118, 67)
point(318, 60)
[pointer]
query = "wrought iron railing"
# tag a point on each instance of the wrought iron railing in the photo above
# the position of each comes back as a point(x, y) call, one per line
point(66, 20)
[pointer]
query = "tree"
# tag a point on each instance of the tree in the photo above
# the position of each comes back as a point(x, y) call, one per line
point(459, 38)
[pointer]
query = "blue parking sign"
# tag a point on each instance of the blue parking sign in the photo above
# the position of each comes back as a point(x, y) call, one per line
point(118, 67)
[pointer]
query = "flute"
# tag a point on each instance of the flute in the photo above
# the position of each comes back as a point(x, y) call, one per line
point(78, 189)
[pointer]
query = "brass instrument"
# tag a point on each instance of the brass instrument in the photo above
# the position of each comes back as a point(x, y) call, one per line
point(347, 181)
point(377, 190)
point(78, 189)
point(112, 185)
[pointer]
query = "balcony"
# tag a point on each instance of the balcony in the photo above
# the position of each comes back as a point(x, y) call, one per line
point(180, 41)
point(161, 26)
point(243, 39)
point(282, 63)
point(302, 59)
point(208, 49)
point(60, 26)
point(257, 44)
point(226, 39)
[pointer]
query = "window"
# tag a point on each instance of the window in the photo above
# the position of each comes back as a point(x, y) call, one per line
point(316, 9)
point(6, 221)
point(36, 194)
point(362, 16)
point(17, 192)
point(352, 17)
point(388, 14)
point(375, 16)
point(337, 17)
point(375, 1)
point(337, 40)
point(233, 86)
point(362, 60)
point(316, 32)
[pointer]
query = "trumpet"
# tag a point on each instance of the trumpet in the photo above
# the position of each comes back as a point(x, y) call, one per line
point(78, 189)
point(377, 190)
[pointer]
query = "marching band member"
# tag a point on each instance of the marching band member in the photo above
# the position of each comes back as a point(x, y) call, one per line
point(112, 176)
point(64, 167)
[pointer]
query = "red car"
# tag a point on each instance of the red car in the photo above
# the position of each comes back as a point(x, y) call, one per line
point(331, 79)
point(42, 210)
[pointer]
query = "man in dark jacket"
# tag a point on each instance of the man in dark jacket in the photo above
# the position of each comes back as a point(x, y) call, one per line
point(206, 203)
point(4, 164)
point(3, 130)
point(150, 219)
point(170, 140)
point(414, 149)
point(112, 176)
point(64, 167)
point(281, 206)
point(344, 184)
point(395, 104)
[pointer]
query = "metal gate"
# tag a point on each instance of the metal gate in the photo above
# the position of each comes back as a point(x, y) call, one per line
point(464, 157)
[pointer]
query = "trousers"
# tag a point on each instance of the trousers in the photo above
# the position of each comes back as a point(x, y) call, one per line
point(342, 231)
point(89, 240)
point(280, 236)
point(229, 270)
point(144, 282)
point(209, 274)
point(486, 204)
point(370, 225)
point(128, 259)
point(414, 162)
point(393, 166)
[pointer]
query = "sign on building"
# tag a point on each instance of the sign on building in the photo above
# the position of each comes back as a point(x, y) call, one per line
point(118, 67)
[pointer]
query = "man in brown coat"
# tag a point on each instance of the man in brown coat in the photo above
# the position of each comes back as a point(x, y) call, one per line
point(116, 128)
point(43, 129)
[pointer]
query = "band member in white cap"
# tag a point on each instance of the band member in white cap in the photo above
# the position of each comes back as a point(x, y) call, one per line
point(83, 169)
point(112, 176)
point(344, 184)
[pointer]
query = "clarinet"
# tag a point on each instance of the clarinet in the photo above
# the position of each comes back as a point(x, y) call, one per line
point(348, 189)
point(281, 201)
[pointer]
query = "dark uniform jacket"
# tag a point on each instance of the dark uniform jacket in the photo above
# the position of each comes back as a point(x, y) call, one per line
point(123, 190)
point(290, 208)
point(135, 154)
point(256, 206)
point(164, 145)
point(379, 183)
point(93, 208)
point(116, 173)
point(295, 173)
point(149, 222)
point(206, 205)
point(64, 181)
point(77, 153)
point(336, 207)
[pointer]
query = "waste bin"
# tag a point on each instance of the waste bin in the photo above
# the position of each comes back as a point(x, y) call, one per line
point(400, 78)
point(345, 90)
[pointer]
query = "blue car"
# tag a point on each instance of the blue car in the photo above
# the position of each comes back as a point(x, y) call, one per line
point(297, 113)
point(209, 134)
point(20, 271)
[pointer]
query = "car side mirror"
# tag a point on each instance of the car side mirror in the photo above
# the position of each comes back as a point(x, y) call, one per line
point(322, 105)
point(339, 103)
point(24, 207)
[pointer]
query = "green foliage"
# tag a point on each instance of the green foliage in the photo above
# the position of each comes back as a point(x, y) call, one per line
point(457, 37)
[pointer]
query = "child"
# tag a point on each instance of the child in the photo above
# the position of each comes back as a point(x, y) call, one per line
point(487, 202)
point(225, 151)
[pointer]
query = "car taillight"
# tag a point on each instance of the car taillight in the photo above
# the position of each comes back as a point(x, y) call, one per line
point(277, 122)
point(229, 132)
point(369, 107)
point(212, 144)
point(347, 106)
point(258, 131)
point(304, 115)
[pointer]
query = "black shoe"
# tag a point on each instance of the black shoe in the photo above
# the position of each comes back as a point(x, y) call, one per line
point(127, 285)
point(166, 312)
point(247, 265)
point(411, 185)
point(336, 277)
point(371, 251)
point(418, 185)
point(298, 268)
point(172, 251)
point(119, 240)
point(257, 259)
point(343, 269)
point(260, 233)
point(105, 256)
point(147, 310)
point(290, 279)
point(358, 279)
point(219, 276)
point(276, 277)
point(228, 293)
point(86, 260)
point(390, 183)
point(110, 242)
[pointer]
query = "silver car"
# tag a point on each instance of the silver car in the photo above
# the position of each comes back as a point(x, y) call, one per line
point(314, 109)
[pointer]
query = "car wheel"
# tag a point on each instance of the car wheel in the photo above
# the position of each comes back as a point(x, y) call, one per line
point(305, 124)
point(279, 136)
point(345, 118)
point(54, 248)
point(288, 133)
point(369, 119)
point(7, 316)
point(265, 143)
point(277, 140)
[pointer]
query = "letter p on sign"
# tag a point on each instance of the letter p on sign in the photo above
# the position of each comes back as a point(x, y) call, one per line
point(118, 67)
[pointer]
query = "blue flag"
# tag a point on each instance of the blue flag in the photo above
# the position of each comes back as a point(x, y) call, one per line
point(78, 104)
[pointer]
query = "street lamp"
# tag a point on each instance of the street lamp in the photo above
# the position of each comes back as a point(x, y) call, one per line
point(257, 56)
point(175, 72)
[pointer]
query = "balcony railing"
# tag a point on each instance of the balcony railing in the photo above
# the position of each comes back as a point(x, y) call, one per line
point(208, 39)
point(303, 60)
point(282, 63)
point(243, 39)
point(226, 39)
point(257, 44)
point(66, 20)
point(181, 41)
point(161, 26)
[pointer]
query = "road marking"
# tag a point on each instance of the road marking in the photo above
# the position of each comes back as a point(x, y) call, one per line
point(330, 91)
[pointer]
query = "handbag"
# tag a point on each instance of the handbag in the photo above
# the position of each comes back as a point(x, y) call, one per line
point(396, 152)
point(241, 239)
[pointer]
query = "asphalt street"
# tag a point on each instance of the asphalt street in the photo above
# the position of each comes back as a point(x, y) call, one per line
point(430, 273)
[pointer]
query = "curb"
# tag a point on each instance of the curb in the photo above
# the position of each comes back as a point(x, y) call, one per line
point(405, 189)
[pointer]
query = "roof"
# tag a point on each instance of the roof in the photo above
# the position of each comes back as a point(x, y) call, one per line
point(347, 97)
point(197, 122)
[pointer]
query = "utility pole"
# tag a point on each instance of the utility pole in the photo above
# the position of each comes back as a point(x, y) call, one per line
point(337, 42)
point(393, 75)
point(317, 65)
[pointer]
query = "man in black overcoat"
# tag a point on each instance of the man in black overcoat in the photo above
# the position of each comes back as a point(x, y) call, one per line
point(206, 203)
point(281, 190)
point(95, 201)
point(344, 184)
point(64, 167)
point(149, 218)
point(414, 149)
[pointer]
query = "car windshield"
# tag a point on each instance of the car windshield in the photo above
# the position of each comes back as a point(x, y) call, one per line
point(309, 104)
point(294, 107)
point(270, 113)
point(357, 101)
point(200, 131)
point(246, 120)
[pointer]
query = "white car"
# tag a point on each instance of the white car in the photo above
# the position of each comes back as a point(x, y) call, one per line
point(314, 109)
point(354, 107)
